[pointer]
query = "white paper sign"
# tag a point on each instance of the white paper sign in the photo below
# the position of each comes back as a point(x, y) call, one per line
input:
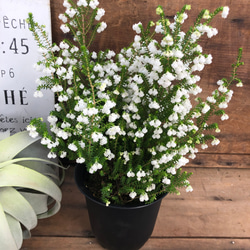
point(18, 54)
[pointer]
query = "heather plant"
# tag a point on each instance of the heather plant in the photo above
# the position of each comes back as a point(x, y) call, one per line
point(133, 119)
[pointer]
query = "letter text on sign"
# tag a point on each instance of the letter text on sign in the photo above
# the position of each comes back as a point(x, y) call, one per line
point(18, 54)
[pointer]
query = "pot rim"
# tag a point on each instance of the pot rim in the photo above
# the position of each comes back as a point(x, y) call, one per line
point(79, 171)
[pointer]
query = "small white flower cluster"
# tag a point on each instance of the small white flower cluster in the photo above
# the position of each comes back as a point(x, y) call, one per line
point(130, 117)
point(71, 12)
point(96, 166)
point(32, 131)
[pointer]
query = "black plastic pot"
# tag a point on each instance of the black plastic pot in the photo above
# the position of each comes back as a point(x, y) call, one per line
point(118, 227)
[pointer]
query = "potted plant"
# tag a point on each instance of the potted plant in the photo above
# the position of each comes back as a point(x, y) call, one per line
point(129, 120)
point(28, 188)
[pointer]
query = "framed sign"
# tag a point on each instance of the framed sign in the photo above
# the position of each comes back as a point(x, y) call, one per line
point(18, 54)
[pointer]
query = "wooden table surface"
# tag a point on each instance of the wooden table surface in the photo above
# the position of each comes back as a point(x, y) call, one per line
point(214, 216)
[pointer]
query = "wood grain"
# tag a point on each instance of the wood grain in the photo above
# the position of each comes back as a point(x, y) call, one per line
point(76, 243)
point(235, 161)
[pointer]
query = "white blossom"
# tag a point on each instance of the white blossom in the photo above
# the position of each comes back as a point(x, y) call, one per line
point(83, 119)
point(195, 36)
point(107, 106)
point(143, 197)
point(171, 170)
point(70, 12)
point(167, 40)
point(130, 174)
point(60, 71)
point(239, 84)
point(96, 136)
point(63, 45)
point(159, 28)
point(32, 131)
point(80, 160)
point(139, 134)
point(52, 119)
point(64, 135)
point(189, 189)
point(113, 131)
point(204, 146)
point(66, 4)
point(63, 154)
point(113, 117)
point(100, 14)
point(63, 18)
point(151, 188)
point(222, 89)
point(154, 105)
point(90, 111)
point(93, 4)
point(205, 109)
point(224, 117)
point(125, 155)
point(225, 12)
point(223, 105)
point(96, 166)
point(63, 98)
point(166, 181)
point(132, 195)
point(108, 154)
point(51, 155)
point(177, 53)
point(102, 27)
point(38, 94)
point(153, 92)
point(140, 174)
point(45, 141)
point(155, 123)
point(72, 147)
point(181, 18)
point(82, 144)
point(152, 48)
point(82, 3)
point(136, 27)
point(65, 28)
point(215, 142)
point(57, 88)
point(220, 82)
point(103, 141)
point(211, 99)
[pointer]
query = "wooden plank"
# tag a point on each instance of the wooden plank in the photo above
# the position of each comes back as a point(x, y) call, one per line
point(66, 243)
point(209, 160)
point(218, 207)
point(56, 9)
point(196, 244)
point(61, 243)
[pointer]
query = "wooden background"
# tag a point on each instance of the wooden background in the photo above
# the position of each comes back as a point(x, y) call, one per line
point(216, 215)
